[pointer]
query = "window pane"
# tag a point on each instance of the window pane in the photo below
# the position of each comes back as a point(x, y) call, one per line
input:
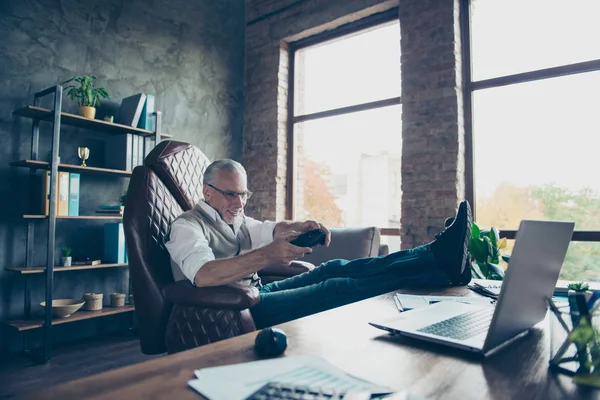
point(582, 262)
point(513, 36)
point(348, 169)
point(393, 243)
point(536, 150)
point(354, 69)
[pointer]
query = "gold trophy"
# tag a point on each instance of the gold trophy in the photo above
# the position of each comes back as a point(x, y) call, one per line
point(84, 154)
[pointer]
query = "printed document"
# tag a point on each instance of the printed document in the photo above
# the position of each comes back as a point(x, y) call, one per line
point(238, 381)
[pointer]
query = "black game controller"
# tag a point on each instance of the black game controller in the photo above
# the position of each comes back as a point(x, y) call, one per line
point(310, 238)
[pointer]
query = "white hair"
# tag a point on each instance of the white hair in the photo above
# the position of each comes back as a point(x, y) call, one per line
point(225, 164)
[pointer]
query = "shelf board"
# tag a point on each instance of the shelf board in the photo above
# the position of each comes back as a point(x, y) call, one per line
point(36, 164)
point(39, 270)
point(25, 325)
point(34, 216)
point(45, 114)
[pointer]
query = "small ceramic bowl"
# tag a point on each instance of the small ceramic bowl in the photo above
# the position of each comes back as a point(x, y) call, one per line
point(64, 307)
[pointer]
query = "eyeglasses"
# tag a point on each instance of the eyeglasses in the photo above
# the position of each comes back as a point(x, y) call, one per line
point(229, 195)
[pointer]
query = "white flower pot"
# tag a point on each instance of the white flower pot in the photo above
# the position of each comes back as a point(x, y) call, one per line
point(66, 261)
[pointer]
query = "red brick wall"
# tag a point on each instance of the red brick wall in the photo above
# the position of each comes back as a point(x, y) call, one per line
point(433, 135)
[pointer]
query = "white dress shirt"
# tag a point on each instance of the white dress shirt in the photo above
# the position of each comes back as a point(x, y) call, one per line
point(188, 247)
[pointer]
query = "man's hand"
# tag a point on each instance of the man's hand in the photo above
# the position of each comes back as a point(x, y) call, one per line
point(281, 253)
point(284, 228)
point(311, 225)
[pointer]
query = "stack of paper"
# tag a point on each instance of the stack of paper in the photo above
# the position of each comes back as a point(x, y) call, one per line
point(312, 371)
point(486, 287)
point(406, 302)
point(492, 288)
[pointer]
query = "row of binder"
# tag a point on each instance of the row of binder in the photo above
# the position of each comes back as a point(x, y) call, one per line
point(67, 200)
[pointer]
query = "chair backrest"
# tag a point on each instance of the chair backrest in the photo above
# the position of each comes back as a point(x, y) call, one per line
point(169, 183)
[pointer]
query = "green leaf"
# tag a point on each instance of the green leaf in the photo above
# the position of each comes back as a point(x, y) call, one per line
point(483, 268)
point(495, 272)
point(475, 231)
point(578, 286)
point(477, 249)
point(85, 94)
point(488, 246)
point(476, 271)
point(494, 236)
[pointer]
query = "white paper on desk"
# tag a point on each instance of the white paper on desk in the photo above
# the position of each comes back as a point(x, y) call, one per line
point(412, 301)
point(239, 381)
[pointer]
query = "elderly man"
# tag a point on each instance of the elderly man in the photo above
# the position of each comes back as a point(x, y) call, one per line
point(216, 244)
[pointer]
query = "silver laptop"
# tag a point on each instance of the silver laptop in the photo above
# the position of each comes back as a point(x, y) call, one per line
point(535, 264)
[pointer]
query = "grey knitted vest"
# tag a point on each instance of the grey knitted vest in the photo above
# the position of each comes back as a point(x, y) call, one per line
point(222, 241)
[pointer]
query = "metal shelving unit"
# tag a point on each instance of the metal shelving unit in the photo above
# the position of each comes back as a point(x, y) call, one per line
point(59, 118)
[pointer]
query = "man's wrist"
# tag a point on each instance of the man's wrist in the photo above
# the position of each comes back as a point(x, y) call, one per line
point(260, 257)
point(280, 228)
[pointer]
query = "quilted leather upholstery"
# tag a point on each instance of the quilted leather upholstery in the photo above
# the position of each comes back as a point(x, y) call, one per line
point(181, 167)
point(149, 210)
point(158, 192)
point(191, 326)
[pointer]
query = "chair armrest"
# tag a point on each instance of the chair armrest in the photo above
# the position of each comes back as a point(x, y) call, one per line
point(232, 296)
point(384, 250)
point(296, 267)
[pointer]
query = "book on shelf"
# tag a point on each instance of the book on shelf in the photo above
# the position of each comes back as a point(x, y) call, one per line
point(145, 144)
point(130, 110)
point(146, 118)
point(110, 210)
point(125, 152)
point(63, 193)
point(62, 199)
point(87, 262)
point(74, 194)
point(46, 193)
point(114, 243)
point(118, 152)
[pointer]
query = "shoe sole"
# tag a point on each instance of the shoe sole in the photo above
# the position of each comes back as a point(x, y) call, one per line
point(465, 250)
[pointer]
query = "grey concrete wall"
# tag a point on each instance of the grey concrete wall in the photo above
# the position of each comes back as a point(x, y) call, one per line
point(190, 54)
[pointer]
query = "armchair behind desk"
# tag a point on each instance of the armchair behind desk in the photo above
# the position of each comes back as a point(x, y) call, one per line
point(174, 316)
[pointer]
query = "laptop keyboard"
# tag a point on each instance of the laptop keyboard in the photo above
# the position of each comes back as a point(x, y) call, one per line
point(462, 326)
point(287, 391)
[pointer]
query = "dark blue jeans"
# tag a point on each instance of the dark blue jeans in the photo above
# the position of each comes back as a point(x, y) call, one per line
point(339, 282)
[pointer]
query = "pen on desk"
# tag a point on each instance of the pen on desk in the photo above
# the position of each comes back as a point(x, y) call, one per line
point(398, 304)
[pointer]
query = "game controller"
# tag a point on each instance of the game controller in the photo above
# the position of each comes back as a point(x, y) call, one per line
point(310, 238)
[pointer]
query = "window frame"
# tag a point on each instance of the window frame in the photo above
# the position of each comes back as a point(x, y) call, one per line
point(469, 86)
point(347, 29)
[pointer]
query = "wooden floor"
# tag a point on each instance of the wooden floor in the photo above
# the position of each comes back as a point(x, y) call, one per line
point(19, 374)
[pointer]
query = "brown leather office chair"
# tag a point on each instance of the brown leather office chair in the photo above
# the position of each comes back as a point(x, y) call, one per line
point(174, 316)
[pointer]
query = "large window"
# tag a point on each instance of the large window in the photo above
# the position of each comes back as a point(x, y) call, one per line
point(346, 127)
point(535, 126)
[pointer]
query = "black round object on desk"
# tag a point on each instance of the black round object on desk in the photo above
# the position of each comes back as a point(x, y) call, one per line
point(270, 342)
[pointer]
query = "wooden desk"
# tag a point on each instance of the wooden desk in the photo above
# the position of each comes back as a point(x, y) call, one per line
point(343, 337)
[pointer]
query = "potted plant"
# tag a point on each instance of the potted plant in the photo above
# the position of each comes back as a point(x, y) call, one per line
point(66, 258)
point(86, 95)
point(578, 296)
point(485, 250)
point(579, 354)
